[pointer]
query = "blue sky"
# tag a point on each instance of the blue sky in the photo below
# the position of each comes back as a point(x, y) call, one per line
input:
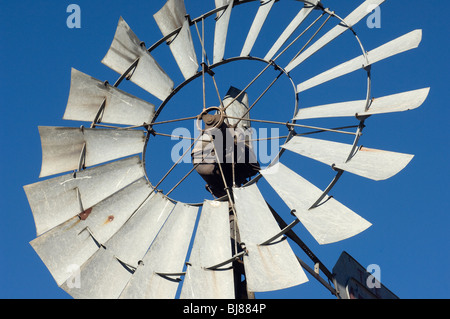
point(409, 212)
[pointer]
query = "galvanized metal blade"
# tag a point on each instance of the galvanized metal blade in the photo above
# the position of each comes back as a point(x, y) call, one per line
point(387, 104)
point(65, 148)
point(267, 267)
point(56, 200)
point(126, 50)
point(211, 247)
point(171, 17)
point(221, 29)
point(370, 163)
point(353, 18)
point(238, 108)
point(156, 276)
point(71, 244)
point(329, 221)
point(258, 22)
point(91, 99)
point(108, 271)
point(290, 29)
point(404, 43)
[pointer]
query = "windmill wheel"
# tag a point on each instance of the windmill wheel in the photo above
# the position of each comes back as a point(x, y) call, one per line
point(123, 208)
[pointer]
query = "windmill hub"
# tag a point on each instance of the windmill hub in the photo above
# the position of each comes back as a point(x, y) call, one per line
point(211, 120)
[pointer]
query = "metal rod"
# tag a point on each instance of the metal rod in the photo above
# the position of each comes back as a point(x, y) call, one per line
point(267, 138)
point(257, 100)
point(177, 162)
point(207, 64)
point(181, 180)
point(299, 36)
point(176, 136)
point(248, 85)
point(291, 124)
point(312, 37)
point(171, 121)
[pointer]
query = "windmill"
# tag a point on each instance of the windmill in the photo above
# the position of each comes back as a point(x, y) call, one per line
point(104, 214)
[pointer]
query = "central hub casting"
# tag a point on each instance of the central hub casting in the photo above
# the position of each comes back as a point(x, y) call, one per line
point(223, 155)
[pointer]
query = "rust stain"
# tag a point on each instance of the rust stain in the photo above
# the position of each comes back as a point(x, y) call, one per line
point(109, 219)
point(84, 215)
point(365, 149)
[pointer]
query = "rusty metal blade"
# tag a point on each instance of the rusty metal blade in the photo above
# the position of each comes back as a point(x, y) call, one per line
point(107, 272)
point(328, 222)
point(290, 29)
point(370, 163)
point(75, 241)
point(87, 95)
point(267, 267)
point(63, 147)
point(56, 200)
point(167, 255)
point(212, 246)
point(125, 50)
point(404, 43)
point(258, 22)
point(221, 29)
point(353, 18)
point(171, 17)
point(393, 103)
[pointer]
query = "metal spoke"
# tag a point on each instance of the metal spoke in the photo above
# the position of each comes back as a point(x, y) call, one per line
point(337, 130)
point(206, 63)
point(176, 120)
point(174, 136)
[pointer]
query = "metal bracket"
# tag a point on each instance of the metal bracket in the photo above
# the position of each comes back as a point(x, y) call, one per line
point(169, 275)
point(328, 189)
point(207, 69)
point(227, 261)
point(281, 233)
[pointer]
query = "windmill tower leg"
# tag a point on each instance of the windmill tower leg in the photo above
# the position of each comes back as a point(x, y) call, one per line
point(240, 284)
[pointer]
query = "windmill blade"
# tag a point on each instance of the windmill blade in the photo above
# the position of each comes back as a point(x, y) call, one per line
point(63, 147)
point(76, 240)
point(211, 247)
point(290, 29)
point(353, 18)
point(393, 103)
point(329, 221)
point(171, 17)
point(260, 18)
point(166, 255)
point(370, 163)
point(238, 108)
point(221, 30)
point(404, 43)
point(88, 94)
point(267, 267)
point(56, 200)
point(106, 273)
point(125, 50)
